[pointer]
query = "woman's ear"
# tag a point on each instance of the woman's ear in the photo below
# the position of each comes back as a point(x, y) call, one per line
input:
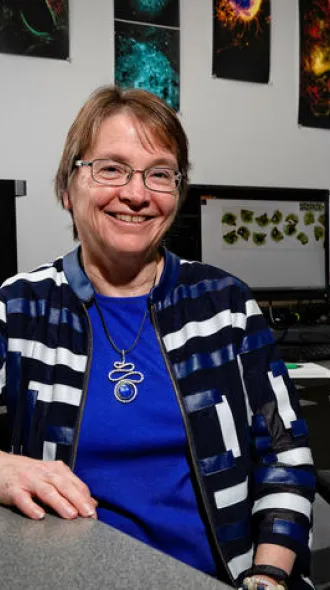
point(66, 201)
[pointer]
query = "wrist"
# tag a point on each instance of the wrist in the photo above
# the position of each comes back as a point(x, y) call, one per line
point(265, 576)
point(257, 582)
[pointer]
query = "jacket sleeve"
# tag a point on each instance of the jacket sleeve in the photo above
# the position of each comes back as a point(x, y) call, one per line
point(283, 481)
point(3, 348)
point(3, 378)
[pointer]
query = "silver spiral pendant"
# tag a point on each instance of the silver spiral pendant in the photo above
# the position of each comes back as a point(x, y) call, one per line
point(126, 378)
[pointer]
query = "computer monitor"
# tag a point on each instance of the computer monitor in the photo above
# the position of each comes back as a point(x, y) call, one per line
point(274, 239)
point(9, 190)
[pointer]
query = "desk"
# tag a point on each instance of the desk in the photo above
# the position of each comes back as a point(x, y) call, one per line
point(311, 373)
point(85, 554)
point(314, 394)
point(321, 544)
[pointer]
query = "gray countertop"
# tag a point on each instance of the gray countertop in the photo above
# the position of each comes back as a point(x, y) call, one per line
point(54, 554)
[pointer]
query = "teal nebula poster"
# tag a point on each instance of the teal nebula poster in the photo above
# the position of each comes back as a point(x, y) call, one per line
point(158, 12)
point(147, 47)
point(35, 27)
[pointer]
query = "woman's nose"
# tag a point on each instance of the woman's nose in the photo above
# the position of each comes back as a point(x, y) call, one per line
point(135, 191)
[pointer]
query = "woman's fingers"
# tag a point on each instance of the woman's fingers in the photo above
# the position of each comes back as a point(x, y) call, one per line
point(52, 482)
point(73, 496)
point(23, 501)
point(49, 495)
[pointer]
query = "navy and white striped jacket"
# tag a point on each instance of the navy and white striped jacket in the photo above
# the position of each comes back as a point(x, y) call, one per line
point(250, 459)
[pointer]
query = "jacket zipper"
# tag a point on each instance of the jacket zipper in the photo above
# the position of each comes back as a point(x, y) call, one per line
point(189, 438)
point(85, 387)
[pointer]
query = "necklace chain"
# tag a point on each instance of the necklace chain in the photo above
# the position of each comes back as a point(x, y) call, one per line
point(123, 351)
point(124, 374)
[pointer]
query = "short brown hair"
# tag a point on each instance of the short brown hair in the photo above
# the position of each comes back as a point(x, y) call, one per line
point(157, 117)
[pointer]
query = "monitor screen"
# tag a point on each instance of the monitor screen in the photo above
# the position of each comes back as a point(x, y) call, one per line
point(274, 239)
point(9, 190)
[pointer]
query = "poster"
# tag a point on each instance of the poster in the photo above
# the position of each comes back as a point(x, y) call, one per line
point(147, 47)
point(157, 12)
point(269, 225)
point(314, 102)
point(35, 28)
point(241, 40)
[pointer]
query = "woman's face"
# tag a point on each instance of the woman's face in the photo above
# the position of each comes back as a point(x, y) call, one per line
point(127, 220)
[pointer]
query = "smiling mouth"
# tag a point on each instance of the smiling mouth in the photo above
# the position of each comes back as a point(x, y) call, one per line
point(129, 218)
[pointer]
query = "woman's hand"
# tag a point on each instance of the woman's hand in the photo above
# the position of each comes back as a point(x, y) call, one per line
point(52, 482)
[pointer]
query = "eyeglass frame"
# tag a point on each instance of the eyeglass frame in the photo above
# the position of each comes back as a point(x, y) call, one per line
point(90, 164)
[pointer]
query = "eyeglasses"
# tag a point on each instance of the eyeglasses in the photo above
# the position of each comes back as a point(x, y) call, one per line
point(111, 173)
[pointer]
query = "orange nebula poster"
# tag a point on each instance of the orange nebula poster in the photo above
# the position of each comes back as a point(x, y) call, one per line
point(241, 40)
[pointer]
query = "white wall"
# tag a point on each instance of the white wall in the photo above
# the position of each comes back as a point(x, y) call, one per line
point(240, 133)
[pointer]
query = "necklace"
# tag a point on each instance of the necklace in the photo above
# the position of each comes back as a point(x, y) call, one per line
point(123, 374)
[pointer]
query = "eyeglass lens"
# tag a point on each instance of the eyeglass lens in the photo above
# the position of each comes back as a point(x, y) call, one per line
point(117, 174)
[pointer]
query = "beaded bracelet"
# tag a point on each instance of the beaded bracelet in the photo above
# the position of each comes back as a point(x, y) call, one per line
point(256, 583)
point(253, 582)
point(269, 570)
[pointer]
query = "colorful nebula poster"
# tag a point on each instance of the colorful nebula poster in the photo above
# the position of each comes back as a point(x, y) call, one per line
point(314, 103)
point(147, 47)
point(35, 27)
point(158, 12)
point(241, 40)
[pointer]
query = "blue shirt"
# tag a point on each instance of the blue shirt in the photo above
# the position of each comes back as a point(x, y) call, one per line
point(133, 455)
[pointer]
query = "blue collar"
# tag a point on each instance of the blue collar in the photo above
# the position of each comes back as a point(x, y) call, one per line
point(83, 288)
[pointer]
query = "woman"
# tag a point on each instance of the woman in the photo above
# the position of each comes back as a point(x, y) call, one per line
point(145, 385)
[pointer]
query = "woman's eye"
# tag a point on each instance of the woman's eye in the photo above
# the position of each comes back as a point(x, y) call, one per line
point(111, 170)
point(159, 173)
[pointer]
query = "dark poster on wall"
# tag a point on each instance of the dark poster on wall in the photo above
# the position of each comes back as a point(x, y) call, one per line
point(314, 102)
point(147, 47)
point(35, 27)
point(157, 12)
point(241, 40)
